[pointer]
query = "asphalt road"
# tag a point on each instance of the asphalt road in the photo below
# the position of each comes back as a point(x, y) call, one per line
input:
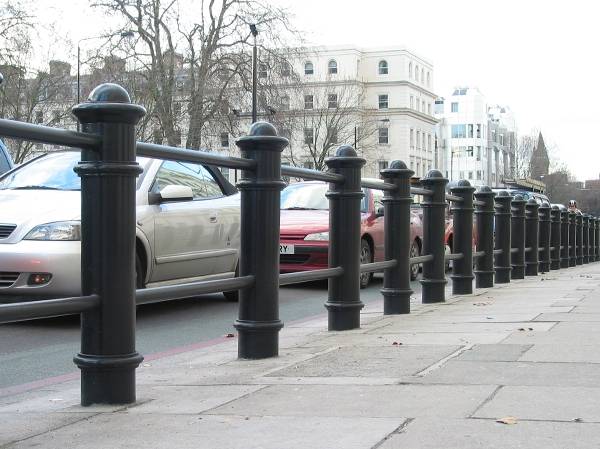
point(36, 350)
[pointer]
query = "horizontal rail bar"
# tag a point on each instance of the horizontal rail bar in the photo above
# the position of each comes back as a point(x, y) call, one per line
point(47, 308)
point(456, 199)
point(387, 187)
point(478, 203)
point(421, 259)
point(478, 254)
point(186, 155)
point(315, 175)
point(514, 250)
point(420, 191)
point(454, 256)
point(308, 276)
point(552, 248)
point(498, 251)
point(171, 292)
point(48, 135)
point(377, 266)
point(528, 249)
point(541, 248)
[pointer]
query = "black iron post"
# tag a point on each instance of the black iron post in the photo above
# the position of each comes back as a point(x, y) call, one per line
point(565, 236)
point(544, 237)
point(532, 258)
point(502, 241)
point(484, 220)
point(518, 238)
point(434, 214)
point(258, 324)
point(579, 238)
point(597, 239)
point(572, 239)
point(462, 215)
point(343, 301)
point(555, 238)
point(586, 238)
point(396, 289)
point(108, 358)
point(593, 242)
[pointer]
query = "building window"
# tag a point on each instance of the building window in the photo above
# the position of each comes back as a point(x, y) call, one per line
point(309, 68)
point(423, 106)
point(225, 140)
point(423, 137)
point(459, 131)
point(470, 130)
point(412, 138)
point(382, 165)
point(309, 136)
point(501, 139)
point(412, 102)
point(478, 153)
point(410, 70)
point(332, 135)
point(383, 136)
point(461, 175)
point(454, 107)
point(39, 117)
point(285, 103)
point(418, 139)
point(428, 108)
point(470, 151)
point(417, 73)
point(262, 70)
point(286, 70)
point(470, 175)
point(428, 79)
point(422, 75)
point(418, 169)
point(309, 102)
point(479, 175)
point(429, 142)
point(383, 67)
point(478, 131)
point(383, 101)
point(332, 68)
point(332, 101)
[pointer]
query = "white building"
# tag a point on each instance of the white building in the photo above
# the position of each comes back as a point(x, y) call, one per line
point(477, 140)
point(385, 96)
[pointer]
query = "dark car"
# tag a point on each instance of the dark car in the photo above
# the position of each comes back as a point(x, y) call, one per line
point(6, 162)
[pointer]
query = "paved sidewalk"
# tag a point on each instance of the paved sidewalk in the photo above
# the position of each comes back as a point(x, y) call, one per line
point(442, 377)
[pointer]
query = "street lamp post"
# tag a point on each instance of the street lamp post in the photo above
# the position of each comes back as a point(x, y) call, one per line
point(254, 32)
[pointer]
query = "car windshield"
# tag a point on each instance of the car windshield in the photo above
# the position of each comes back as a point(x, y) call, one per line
point(53, 171)
point(304, 197)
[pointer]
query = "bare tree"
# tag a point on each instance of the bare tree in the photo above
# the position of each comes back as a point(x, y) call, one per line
point(195, 54)
point(522, 157)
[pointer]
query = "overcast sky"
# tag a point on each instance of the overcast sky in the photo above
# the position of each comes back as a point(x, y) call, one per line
point(541, 58)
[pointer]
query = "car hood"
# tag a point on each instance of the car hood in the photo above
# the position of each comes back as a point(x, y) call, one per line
point(302, 222)
point(29, 208)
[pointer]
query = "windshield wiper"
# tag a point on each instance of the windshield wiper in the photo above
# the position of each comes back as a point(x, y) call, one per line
point(300, 208)
point(32, 187)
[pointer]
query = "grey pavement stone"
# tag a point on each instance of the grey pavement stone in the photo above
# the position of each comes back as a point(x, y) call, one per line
point(138, 431)
point(544, 404)
point(571, 316)
point(427, 326)
point(494, 353)
point(514, 373)
point(361, 401)
point(15, 427)
point(388, 361)
point(564, 332)
point(488, 434)
point(564, 353)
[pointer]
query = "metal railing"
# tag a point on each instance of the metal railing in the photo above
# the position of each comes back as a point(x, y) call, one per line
point(512, 239)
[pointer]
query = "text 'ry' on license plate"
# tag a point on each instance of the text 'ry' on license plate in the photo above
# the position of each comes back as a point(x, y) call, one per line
point(286, 249)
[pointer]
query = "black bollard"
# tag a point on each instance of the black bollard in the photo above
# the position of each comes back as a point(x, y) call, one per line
point(502, 243)
point(555, 238)
point(579, 238)
point(517, 241)
point(586, 238)
point(434, 220)
point(343, 303)
point(462, 215)
point(565, 235)
point(597, 239)
point(484, 221)
point(544, 237)
point(572, 239)
point(396, 289)
point(593, 225)
point(258, 322)
point(108, 357)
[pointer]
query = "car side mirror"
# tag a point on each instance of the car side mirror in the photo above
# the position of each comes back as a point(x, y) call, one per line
point(176, 193)
point(379, 211)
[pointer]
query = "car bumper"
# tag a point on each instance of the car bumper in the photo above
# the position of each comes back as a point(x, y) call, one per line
point(20, 260)
point(306, 257)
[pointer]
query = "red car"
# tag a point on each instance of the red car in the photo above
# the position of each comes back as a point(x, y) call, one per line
point(305, 229)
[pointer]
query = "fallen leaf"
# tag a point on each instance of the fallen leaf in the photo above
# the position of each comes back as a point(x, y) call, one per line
point(577, 420)
point(396, 343)
point(507, 420)
point(530, 328)
point(229, 335)
point(521, 329)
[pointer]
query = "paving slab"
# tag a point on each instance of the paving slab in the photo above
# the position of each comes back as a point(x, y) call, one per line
point(15, 427)
point(563, 353)
point(361, 401)
point(494, 353)
point(427, 433)
point(571, 316)
point(544, 404)
point(139, 431)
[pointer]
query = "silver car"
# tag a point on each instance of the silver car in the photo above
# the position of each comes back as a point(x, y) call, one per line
point(188, 226)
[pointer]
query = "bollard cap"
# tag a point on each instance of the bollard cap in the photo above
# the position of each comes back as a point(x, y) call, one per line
point(555, 207)
point(262, 129)
point(109, 93)
point(518, 198)
point(262, 136)
point(345, 151)
point(397, 169)
point(433, 174)
point(545, 205)
point(397, 165)
point(503, 194)
point(345, 157)
point(109, 103)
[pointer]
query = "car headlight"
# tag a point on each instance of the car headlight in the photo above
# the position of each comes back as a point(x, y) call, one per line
point(318, 236)
point(59, 230)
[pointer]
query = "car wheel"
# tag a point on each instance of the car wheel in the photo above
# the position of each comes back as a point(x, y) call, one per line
point(366, 256)
point(139, 272)
point(234, 295)
point(415, 251)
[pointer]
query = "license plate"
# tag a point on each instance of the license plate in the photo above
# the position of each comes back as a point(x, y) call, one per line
point(286, 249)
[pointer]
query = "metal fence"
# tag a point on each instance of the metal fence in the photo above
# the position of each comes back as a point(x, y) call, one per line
point(513, 238)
